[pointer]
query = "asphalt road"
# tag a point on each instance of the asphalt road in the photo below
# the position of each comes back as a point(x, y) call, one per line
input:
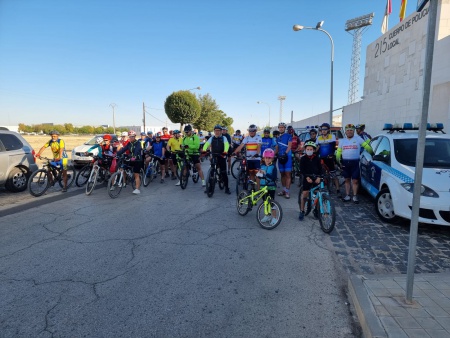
point(166, 263)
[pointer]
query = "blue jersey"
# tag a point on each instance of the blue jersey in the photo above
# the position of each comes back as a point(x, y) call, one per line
point(158, 148)
point(283, 143)
point(267, 142)
point(271, 176)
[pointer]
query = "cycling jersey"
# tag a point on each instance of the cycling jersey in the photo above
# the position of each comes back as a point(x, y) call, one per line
point(349, 147)
point(327, 145)
point(251, 144)
point(166, 137)
point(283, 143)
point(294, 144)
point(267, 142)
point(56, 147)
point(218, 144)
point(175, 144)
point(158, 148)
point(271, 175)
point(193, 143)
point(133, 148)
point(237, 140)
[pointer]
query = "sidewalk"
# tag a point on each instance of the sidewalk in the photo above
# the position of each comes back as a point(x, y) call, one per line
point(380, 303)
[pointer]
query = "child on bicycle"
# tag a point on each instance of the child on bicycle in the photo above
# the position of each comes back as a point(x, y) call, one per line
point(267, 176)
point(311, 168)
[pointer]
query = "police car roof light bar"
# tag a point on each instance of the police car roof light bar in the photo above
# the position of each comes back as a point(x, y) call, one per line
point(436, 127)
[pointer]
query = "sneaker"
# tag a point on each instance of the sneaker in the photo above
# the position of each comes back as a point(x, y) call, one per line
point(162, 180)
point(355, 199)
point(287, 195)
point(316, 214)
point(266, 219)
point(136, 191)
point(178, 184)
point(203, 183)
point(301, 215)
point(347, 198)
point(273, 221)
point(227, 191)
point(65, 190)
point(112, 188)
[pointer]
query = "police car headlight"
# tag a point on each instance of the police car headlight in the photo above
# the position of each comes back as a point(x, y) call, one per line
point(424, 190)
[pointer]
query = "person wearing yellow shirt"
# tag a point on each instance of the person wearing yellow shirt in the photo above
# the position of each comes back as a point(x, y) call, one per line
point(173, 145)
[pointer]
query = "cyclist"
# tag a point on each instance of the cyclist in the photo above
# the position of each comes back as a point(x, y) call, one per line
point(230, 151)
point(313, 138)
point(123, 141)
point(284, 143)
point(348, 151)
point(57, 147)
point(327, 145)
point(236, 139)
point(207, 136)
point(133, 147)
point(268, 171)
point(172, 146)
point(149, 138)
point(165, 137)
point(361, 133)
point(295, 140)
point(103, 149)
point(219, 144)
point(107, 147)
point(252, 142)
point(267, 141)
point(158, 147)
point(191, 143)
point(311, 166)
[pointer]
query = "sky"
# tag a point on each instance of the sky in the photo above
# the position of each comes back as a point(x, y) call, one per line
point(68, 61)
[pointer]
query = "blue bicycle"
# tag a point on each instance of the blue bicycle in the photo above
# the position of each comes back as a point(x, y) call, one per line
point(151, 169)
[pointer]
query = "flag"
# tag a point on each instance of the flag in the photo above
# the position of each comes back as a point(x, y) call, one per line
point(385, 25)
point(403, 9)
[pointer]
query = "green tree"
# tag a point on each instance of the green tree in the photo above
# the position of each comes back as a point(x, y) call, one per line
point(69, 128)
point(210, 115)
point(182, 107)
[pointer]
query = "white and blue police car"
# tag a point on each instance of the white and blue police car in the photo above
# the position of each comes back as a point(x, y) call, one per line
point(388, 174)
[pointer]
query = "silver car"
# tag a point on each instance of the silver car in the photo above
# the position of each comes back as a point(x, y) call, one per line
point(17, 161)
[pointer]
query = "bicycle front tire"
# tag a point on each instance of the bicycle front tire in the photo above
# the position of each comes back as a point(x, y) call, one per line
point(148, 177)
point(327, 216)
point(71, 175)
point(235, 167)
point(114, 185)
point(184, 176)
point(38, 183)
point(90, 185)
point(260, 214)
point(83, 175)
point(210, 183)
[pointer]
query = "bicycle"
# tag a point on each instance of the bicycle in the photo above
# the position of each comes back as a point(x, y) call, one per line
point(324, 208)
point(214, 175)
point(41, 180)
point(242, 177)
point(117, 180)
point(329, 177)
point(99, 174)
point(296, 168)
point(85, 172)
point(236, 165)
point(267, 211)
point(150, 169)
point(185, 171)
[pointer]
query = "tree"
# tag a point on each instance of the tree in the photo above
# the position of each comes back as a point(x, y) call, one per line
point(69, 128)
point(182, 107)
point(210, 114)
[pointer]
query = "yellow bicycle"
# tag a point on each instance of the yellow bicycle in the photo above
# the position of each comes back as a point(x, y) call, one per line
point(269, 213)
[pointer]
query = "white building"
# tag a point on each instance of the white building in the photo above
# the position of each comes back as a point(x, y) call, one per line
point(394, 71)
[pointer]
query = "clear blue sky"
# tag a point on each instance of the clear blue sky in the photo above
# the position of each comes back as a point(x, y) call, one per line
point(66, 61)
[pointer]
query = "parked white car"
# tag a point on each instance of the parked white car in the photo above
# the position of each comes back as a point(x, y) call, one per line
point(79, 159)
point(388, 175)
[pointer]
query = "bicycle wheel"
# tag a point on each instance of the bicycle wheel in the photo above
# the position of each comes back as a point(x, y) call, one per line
point(293, 172)
point(210, 182)
point(184, 177)
point(267, 221)
point(235, 167)
point(243, 203)
point(148, 177)
point(71, 175)
point(91, 182)
point(220, 180)
point(115, 184)
point(38, 183)
point(195, 174)
point(327, 217)
point(83, 175)
point(308, 206)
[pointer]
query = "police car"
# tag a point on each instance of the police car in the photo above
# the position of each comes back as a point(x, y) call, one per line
point(388, 174)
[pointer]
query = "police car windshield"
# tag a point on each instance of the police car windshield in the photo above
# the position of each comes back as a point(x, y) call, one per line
point(437, 152)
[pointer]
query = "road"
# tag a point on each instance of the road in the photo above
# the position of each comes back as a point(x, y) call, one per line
point(166, 263)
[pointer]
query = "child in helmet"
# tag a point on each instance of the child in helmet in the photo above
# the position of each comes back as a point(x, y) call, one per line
point(267, 176)
point(311, 169)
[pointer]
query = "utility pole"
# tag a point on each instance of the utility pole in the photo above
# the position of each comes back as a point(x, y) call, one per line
point(143, 114)
point(113, 105)
point(281, 98)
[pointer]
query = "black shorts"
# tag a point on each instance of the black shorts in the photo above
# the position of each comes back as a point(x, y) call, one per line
point(137, 166)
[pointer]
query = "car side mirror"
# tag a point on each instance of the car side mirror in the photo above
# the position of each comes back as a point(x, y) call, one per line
point(383, 157)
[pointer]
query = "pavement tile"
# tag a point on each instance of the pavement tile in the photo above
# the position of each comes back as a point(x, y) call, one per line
point(424, 285)
point(397, 311)
point(418, 313)
point(397, 292)
point(392, 327)
point(381, 292)
point(429, 323)
point(417, 333)
point(407, 322)
point(437, 311)
point(438, 333)
point(426, 302)
point(381, 310)
point(444, 321)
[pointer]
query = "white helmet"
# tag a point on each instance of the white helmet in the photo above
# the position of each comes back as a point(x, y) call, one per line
point(99, 140)
point(124, 133)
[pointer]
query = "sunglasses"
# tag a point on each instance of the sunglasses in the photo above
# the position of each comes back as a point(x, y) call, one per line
point(252, 130)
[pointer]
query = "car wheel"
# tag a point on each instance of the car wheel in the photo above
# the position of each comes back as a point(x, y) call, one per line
point(17, 180)
point(385, 207)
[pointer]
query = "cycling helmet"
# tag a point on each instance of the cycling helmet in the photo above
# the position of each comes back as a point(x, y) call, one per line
point(99, 140)
point(124, 133)
point(224, 128)
point(143, 134)
point(349, 126)
point(281, 124)
point(276, 133)
point(252, 127)
point(176, 131)
point(313, 131)
point(187, 128)
point(311, 144)
point(107, 137)
point(149, 132)
point(54, 132)
point(238, 131)
point(158, 135)
point(267, 130)
point(200, 133)
point(361, 126)
point(131, 133)
point(326, 125)
point(218, 126)
point(269, 153)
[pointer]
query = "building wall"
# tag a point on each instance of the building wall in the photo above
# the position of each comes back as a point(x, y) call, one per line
point(394, 69)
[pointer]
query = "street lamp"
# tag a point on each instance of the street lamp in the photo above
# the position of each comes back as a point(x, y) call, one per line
point(194, 88)
point(259, 102)
point(318, 28)
point(113, 105)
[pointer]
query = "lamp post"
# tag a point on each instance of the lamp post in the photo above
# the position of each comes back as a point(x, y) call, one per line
point(113, 105)
point(198, 88)
point(259, 102)
point(318, 28)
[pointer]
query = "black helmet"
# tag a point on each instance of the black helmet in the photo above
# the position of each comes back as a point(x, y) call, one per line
point(313, 131)
point(238, 131)
point(267, 129)
point(361, 126)
point(218, 126)
point(276, 133)
point(326, 125)
point(187, 128)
